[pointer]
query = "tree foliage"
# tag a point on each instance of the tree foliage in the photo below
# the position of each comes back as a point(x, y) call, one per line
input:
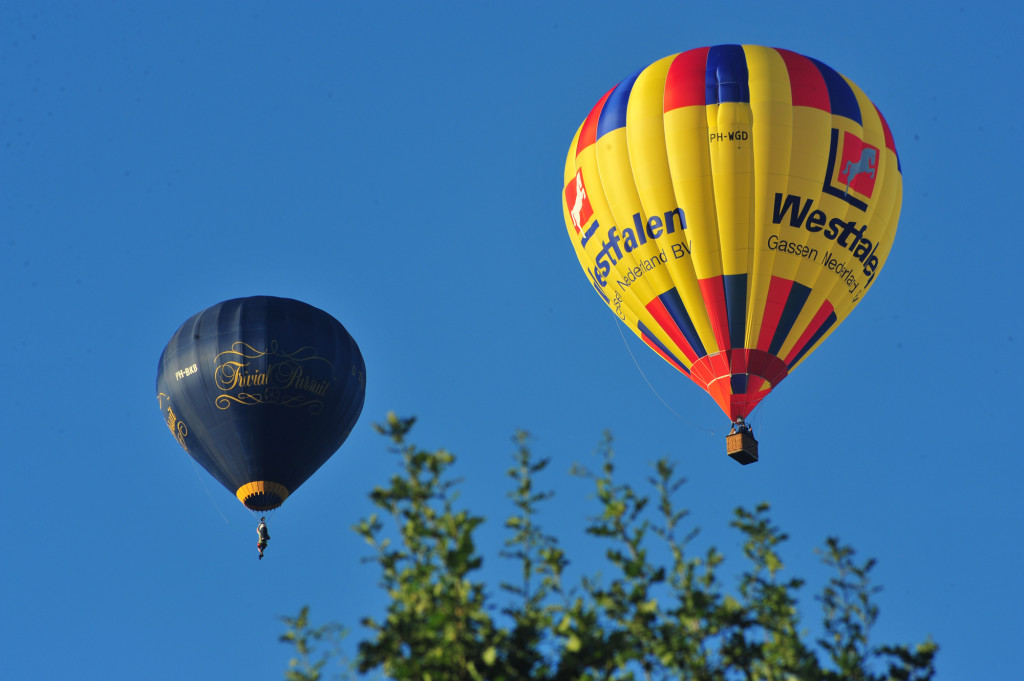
point(648, 619)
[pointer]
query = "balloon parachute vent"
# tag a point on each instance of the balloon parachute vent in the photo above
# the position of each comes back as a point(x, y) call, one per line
point(262, 495)
point(741, 447)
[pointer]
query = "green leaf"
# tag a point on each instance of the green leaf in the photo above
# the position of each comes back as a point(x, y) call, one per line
point(573, 643)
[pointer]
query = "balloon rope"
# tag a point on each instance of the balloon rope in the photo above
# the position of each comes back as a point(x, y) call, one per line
point(203, 483)
point(656, 394)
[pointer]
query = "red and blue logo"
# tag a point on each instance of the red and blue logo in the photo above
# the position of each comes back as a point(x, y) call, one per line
point(578, 202)
point(852, 169)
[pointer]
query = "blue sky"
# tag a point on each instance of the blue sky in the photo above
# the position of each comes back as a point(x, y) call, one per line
point(399, 165)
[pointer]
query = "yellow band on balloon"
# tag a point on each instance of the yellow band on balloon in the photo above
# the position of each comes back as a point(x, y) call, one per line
point(262, 495)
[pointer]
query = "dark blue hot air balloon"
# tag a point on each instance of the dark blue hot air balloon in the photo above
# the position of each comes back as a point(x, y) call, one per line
point(261, 391)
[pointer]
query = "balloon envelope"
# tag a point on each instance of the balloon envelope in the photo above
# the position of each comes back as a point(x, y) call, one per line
point(732, 205)
point(261, 391)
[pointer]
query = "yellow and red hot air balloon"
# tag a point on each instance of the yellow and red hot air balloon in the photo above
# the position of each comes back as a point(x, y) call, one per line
point(732, 205)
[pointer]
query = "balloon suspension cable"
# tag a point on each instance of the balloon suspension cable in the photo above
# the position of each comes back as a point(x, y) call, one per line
point(208, 493)
point(759, 415)
point(656, 394)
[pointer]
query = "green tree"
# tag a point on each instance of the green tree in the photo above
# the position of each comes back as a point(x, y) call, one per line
point(647, 619)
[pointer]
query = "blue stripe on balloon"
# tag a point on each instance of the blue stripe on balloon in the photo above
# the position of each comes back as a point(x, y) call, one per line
point(674, 305)
point(613, 115)
point(825, 326)
point(842, 100)
point(726, 76)
point(651, 338)
point(794, 304)
point(736, 307)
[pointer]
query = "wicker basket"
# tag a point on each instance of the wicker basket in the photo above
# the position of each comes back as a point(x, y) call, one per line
point(742, 447)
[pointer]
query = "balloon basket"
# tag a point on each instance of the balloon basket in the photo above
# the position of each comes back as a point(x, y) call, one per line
point(741, 447)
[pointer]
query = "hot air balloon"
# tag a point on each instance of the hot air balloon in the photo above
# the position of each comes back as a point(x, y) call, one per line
point(732, 205)
point(261, 391)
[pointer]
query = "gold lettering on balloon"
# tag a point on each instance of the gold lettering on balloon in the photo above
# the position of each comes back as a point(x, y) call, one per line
point(287, 379)
point(178, 427)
